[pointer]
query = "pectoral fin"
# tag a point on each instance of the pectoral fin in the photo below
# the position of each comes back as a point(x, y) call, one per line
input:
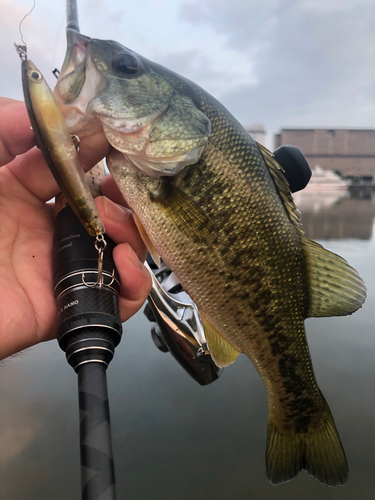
point(221, 352)
point(336, 289)
point(188, 217)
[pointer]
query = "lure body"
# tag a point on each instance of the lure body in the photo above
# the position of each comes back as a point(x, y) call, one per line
point(55, 141)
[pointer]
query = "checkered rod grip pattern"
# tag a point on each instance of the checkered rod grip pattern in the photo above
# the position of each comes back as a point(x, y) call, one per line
point(97, 467)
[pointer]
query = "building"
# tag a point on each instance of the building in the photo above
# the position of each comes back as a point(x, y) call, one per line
point(349, 151)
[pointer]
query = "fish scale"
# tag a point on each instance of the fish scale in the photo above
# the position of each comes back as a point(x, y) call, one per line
point(216, 207)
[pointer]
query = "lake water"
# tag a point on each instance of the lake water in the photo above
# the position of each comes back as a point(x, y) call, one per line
point(174, 439)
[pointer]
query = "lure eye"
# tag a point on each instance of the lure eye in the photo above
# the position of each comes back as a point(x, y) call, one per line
point(125, 64)
point(35, 75)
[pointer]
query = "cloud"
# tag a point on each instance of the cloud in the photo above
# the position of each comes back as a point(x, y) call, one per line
point(93, 12)
point(209, 74)
point(278, 62)
point(312, 60)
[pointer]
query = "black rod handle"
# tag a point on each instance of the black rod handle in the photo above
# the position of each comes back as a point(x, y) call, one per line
point(97, 467)
point(89, 329)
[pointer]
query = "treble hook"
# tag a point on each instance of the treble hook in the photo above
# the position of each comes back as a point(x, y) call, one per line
point(100, 246)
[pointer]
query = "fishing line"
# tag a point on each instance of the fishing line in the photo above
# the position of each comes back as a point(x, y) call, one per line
point(57, 36)
point(22, 20)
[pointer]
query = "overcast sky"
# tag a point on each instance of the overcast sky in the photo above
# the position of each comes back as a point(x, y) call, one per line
point(283, 63)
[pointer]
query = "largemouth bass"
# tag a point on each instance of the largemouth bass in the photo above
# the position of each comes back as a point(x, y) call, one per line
point(215, 206)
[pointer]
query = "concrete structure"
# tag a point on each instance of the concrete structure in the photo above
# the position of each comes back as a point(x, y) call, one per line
point(350, 151)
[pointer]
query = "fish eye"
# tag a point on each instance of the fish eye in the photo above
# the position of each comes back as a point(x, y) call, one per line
point(125, 64)
point(35, 75)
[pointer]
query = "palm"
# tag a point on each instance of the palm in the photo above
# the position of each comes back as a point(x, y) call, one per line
point(27, 306)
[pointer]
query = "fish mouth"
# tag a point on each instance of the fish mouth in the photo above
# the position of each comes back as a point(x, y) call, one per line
point(73, 72)
point(78, 83)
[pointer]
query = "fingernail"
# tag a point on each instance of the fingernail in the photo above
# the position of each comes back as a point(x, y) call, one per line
point(114, 211)
point(133, 259)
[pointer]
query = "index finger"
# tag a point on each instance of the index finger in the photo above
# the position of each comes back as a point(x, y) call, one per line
point(16, 136)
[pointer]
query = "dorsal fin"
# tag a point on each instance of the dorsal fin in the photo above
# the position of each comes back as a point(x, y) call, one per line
point(282, 186)
point(221, 352)
point(335, 288)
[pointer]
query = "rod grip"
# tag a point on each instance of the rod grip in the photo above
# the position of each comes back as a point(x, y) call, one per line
point(97, 466)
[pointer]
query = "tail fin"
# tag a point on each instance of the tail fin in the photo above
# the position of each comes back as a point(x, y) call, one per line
point(318, 450)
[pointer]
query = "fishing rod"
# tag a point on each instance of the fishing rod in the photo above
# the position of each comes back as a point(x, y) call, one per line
point(89, 328)
point(87, 285)
point(85, 278)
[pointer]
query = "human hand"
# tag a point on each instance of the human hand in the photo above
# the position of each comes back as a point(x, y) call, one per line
point(27, 303)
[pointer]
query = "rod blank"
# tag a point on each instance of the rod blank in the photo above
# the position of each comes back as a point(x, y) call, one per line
point(72, 15)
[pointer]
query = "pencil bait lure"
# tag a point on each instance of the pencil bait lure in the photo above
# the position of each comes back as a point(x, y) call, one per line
point(57, 145)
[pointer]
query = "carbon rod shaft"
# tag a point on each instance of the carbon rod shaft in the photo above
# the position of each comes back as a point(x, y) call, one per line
point(72, 15)
point(97, 467)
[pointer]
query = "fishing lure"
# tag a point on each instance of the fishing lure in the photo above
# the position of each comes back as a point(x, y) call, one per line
point(57, 145)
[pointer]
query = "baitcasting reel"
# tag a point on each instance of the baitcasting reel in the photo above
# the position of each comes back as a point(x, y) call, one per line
point(177, 327)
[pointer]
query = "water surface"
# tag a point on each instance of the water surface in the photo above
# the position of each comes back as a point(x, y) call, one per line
point(174, 439)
